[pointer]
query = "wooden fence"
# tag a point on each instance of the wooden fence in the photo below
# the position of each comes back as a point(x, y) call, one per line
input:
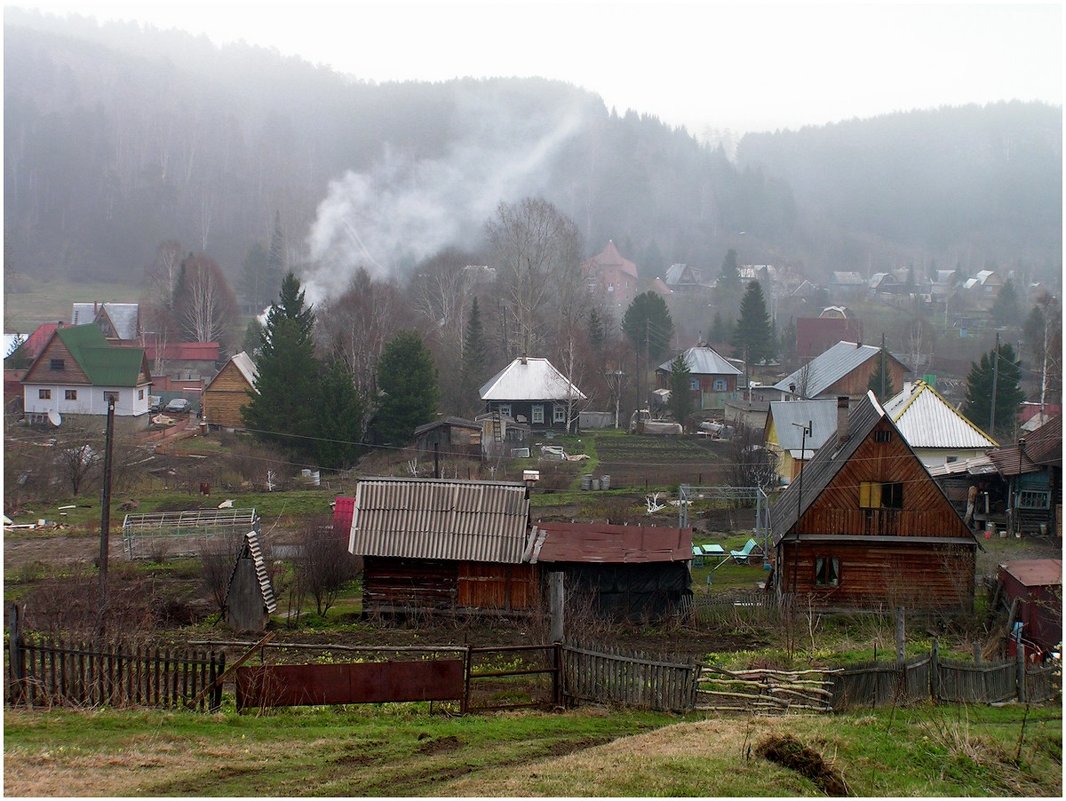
point(764, 691)
point(609, 676)
point(111, 674)
point(968, 683)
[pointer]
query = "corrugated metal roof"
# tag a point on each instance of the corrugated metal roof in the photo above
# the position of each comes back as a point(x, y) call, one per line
point(974, 466)
point(926, 420)
point(124, 316)
point(1043, 448)
point(243, 362)
point(704, 360)
point(822, 414)
point(829, 367)
point(477, 521)
point(529, 378)
point(457, 422)
point(602, 543)
point(1035, 572)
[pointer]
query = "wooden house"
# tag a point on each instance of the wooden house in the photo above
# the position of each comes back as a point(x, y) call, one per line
point(78, 371)
point(784, 433)
point(443, 545)
point(844, 369)
point(450, 437)
point(866, 527)
point(1033, 471)
point(118, 322)
point(228, 391)
point(531, 391)
point(712, 378)
point(633, 573)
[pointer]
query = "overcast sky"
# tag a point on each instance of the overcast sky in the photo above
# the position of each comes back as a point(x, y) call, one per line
point(755, 66)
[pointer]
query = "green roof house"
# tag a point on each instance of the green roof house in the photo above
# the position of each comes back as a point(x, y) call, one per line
point(78, 371)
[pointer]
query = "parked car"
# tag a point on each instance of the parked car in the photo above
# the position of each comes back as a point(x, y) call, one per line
point(155, 404)
point(176, 406)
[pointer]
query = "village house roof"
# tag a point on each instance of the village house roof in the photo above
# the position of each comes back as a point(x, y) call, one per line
point(821, 414)
point(124, 317)
point(1043, 448)
point(183, 351)
point(105, 364)
point(847, 278)
point(659, 287)
point(40, 337)
point(610, 258)
point(927, 420)
point(530, 379)
point(829, 367)
point(1035, 572)
point(602, 543)
point(457, 422)
point(478, 521)
point(245, 366)
point(681, 274)
point(705, 360)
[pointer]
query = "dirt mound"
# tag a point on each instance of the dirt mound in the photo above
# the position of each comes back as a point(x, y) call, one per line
point(440, 745)
point(790, 753)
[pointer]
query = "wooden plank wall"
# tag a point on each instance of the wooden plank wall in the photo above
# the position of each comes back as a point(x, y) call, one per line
point(225, 397)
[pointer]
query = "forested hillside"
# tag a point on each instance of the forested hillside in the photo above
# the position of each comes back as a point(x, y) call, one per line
point(119, 138)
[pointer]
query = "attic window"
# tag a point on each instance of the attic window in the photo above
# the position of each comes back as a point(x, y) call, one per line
point(881, 495)
point(56, 364)
point(882, 436)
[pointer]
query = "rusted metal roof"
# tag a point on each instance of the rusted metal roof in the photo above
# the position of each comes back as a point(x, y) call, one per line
point(478, 521)
point(1043, 448)
point(599, 542)
point(1035, 572)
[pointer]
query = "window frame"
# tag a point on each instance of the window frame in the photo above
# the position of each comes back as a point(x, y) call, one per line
point(827, 571)
point(44, 394)
point(720, 385)
point(57, 364)
point(536, 414)
point(881, 495)
point(558, 413)
point(504, 409)
point(70, 394)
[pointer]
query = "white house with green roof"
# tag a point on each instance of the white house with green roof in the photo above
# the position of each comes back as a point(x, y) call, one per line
point(76, 373)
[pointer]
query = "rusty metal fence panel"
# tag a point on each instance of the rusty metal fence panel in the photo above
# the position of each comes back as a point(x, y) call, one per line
point(350, 683)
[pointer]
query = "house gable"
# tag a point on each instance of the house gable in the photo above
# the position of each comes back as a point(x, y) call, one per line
point(46, 367)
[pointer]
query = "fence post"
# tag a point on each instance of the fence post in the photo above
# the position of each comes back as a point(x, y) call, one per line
point(14, 654)
point(1021, 670)
point(934, 671)
point(556, 602)
point(557, 676)
point(465, 707)
point(901, 634)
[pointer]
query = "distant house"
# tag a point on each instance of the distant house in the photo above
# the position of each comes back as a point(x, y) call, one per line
point(118, 322)
point(683, 278)
point(936, 431)
point(1033, 471)
point(843, 369)
point(634, 573)
point(817, 334)
point(713, 380)
point(784, 432)
point(846, 285)
point(183, 361)
point(229, 390)
point(867, 528)
point(750, 414)
point(436, 544)
point(78, 371)
point(532, 391)
point(450, 436)
point(611, 277)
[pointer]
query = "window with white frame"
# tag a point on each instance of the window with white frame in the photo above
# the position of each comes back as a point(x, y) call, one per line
point(140, 394)
point(719, 385)
point(559, 413)
point(505, 410)
point(538, 413)
point(694, 384)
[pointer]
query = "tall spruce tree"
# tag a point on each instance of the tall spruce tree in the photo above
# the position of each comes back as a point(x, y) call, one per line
point(1006, 310)
point(753, 338)
point(680, 389)
point(338, 423)
point(275, 264)
point(1008, 391)
point(475, 357)
point(282, 409)
point(648, 325)
point(407, 384)
point(729, 277)
point(881, 378)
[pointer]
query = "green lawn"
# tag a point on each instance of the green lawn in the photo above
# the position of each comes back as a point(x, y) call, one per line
point(402, 750)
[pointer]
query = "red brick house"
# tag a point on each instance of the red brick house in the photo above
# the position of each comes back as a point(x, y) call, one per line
point(611, 277)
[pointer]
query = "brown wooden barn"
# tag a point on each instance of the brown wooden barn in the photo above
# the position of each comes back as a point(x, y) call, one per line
point(865, 526)
point(451, 437)
point(439, 544)
point(228, 391)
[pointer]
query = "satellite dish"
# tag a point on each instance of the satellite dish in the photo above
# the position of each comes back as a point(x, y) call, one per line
point(54, 418)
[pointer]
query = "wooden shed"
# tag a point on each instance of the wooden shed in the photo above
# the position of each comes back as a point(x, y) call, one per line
point(865, 526)
point(632, 573)
point(228, 391)
point(1036, 586)
point(250, 595)
point(453, 437)
point(444, 545)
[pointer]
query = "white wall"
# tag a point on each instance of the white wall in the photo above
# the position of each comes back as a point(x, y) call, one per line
point(132, 401)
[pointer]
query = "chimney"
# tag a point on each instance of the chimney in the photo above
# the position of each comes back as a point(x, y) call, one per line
point(524, 361)
point(842, 418)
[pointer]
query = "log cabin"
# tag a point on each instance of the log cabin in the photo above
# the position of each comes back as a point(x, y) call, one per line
point(864, 526)
point(228, 391)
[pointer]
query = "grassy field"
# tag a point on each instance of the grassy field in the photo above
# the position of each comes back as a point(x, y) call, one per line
point(401, 750)
point(51, 299)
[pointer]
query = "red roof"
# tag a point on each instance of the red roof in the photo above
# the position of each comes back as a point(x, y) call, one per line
point(184, 351)
point(1043, 447)
point(609, 257)
point(36, 341)
point(1029, 410)
point(815, 335)
point(600, 542)
point(1035, 572)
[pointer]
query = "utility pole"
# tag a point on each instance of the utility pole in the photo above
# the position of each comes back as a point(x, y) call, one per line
point(807, 431)
point(105, 501)
point(995, 383)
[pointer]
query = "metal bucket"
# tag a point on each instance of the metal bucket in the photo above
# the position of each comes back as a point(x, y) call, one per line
point(595, 483)
point(605, 482)
point(586, 482)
